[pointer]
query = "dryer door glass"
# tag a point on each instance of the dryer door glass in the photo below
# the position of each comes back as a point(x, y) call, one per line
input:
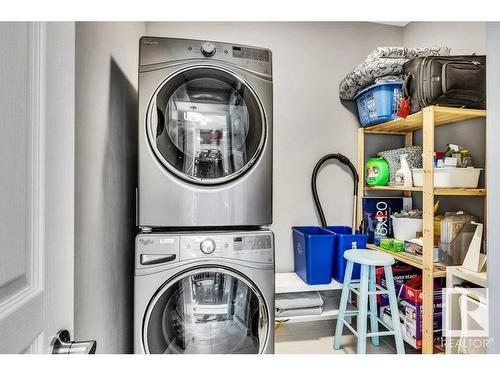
point(206, 125)
point(206, 311)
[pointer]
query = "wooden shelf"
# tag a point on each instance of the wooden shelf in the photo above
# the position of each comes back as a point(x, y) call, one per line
point(290, 282)
point(412, 260)
point(437, 191)
point(426, 120)
point(480, 192)
point(392, 188)
point(442, 116)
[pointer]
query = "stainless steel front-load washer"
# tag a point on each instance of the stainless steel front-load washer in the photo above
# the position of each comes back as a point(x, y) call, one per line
point(205, 134)
point(208, 292)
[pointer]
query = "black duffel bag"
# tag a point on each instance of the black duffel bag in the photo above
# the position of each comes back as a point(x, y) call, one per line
point(449, 81)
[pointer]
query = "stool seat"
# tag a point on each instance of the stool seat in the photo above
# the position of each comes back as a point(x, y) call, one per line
point(369, 257)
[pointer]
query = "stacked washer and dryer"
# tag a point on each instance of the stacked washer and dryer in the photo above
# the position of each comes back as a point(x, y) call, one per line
point(204, 263)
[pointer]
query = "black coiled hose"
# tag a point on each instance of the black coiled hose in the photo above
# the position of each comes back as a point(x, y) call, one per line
point(344, 160)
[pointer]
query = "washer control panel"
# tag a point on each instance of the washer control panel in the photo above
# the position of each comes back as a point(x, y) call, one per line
point(256, 248)
point(155, 50)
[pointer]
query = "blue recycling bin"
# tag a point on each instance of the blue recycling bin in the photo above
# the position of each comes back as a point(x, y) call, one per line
point(313, 249)
point(345, 240)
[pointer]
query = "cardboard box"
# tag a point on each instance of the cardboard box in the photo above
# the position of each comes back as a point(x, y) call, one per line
point(377, 213)
point(409, 329)
point(410, 311)
point(400, 271)
point(415, 247)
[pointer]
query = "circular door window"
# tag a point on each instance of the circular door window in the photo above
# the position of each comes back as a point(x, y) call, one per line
point(206, 125)
point(206, 310)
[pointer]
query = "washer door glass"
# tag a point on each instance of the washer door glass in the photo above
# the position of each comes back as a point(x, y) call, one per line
point(206, 311)
point(206, 125)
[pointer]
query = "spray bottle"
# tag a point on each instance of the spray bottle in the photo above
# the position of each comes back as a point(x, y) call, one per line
point(403, 175)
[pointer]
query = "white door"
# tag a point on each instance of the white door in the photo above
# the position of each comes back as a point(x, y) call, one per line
point(36, 183)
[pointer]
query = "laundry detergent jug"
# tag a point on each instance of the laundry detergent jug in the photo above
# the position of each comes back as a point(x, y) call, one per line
point(377, 172)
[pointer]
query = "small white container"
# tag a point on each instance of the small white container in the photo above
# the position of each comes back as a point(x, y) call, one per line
point(450, 162)
point(406, 228)
point(449, 177)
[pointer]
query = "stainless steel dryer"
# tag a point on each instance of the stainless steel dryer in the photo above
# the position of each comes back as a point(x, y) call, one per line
point(205, 134)
point(209, 292)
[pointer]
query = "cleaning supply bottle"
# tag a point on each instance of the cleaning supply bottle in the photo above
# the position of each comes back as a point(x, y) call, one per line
point(403, 175)
point(377, 172)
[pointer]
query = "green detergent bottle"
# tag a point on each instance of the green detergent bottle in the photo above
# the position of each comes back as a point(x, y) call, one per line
point(377, 172)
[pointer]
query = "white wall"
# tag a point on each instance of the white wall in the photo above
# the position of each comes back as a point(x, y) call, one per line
point(105, 180)
point(461, 37)
point(309, 60)
point(493, 129)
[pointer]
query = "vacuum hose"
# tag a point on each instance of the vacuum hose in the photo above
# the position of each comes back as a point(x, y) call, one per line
point(344, 160)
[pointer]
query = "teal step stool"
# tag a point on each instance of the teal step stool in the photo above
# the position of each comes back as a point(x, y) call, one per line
point(368, 289)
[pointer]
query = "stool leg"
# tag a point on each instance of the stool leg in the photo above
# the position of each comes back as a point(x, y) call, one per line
point(373, 307)
point(363, 309)
point(343, 305)
point(394, 310)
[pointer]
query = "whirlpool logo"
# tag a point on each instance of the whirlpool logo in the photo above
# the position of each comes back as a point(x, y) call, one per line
point(145, 241)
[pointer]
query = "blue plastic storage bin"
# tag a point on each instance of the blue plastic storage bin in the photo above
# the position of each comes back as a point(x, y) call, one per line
point(313, 254)
point(379, 102)
point(345, 240)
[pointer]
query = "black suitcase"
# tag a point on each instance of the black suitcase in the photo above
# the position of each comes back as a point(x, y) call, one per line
point(449, 81)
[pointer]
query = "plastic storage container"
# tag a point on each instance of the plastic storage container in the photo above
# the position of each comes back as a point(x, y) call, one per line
point(449, 177)
point(313, 254)
point(378, 103)
point(405, 228)
point(345, 240)
point(456, 233)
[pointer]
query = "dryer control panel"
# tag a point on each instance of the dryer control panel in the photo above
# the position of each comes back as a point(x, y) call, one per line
point(257, 248)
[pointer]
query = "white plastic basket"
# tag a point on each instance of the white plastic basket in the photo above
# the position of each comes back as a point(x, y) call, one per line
point(406, 228)
point(449, 177)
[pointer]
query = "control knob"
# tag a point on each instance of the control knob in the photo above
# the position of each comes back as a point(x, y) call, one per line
point(208, 49)
point(207, 246)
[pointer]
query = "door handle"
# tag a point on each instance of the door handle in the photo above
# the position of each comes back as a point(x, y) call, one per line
point(148, 259)
point(62, 344)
